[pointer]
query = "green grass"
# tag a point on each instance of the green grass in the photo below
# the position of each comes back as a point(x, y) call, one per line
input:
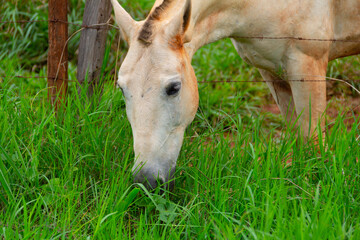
point(68, 175)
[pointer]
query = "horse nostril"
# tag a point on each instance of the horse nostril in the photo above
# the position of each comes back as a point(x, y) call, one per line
point(160, 182)
point(151, 180)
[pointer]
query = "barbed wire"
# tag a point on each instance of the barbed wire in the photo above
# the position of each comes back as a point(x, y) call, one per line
point(325, 79)
point(210, 81)
point(94, 26)
point(275, 81)
point(36, 77)
point(99, 26)
point(299, 39)
point(107, 25)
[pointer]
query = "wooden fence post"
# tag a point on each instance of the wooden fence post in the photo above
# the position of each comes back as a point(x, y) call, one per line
point(58, 53)
point(92, 42)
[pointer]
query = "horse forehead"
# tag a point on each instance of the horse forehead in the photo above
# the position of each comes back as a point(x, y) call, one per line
point(135, 62)
point(154, 58)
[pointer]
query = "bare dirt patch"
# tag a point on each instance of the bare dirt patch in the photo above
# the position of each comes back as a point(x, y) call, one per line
point(340, 104)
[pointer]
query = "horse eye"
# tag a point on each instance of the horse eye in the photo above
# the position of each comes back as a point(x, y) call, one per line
point(173, 88)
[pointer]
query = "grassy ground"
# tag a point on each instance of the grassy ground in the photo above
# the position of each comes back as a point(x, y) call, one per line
point(69, 176)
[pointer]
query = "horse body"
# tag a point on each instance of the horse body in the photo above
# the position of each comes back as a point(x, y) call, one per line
point(309, 19)
point(160, 84)
point(281, 60)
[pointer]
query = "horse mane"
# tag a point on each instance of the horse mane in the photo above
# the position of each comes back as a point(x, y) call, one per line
point(146, 32)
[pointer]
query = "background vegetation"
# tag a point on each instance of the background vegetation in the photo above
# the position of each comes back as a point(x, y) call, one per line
point(69, 176)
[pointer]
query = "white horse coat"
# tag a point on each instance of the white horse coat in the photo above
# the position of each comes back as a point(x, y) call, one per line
point(160, 86)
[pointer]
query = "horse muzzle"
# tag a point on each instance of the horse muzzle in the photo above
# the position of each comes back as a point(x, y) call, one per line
point(152, 177)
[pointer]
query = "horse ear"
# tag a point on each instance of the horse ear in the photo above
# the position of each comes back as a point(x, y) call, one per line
point(179, 24)
point(124, 20)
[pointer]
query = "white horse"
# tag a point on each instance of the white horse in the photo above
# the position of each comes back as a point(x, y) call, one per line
point(160, 86)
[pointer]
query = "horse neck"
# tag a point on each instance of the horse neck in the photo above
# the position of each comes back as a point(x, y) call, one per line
point(211, 20)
